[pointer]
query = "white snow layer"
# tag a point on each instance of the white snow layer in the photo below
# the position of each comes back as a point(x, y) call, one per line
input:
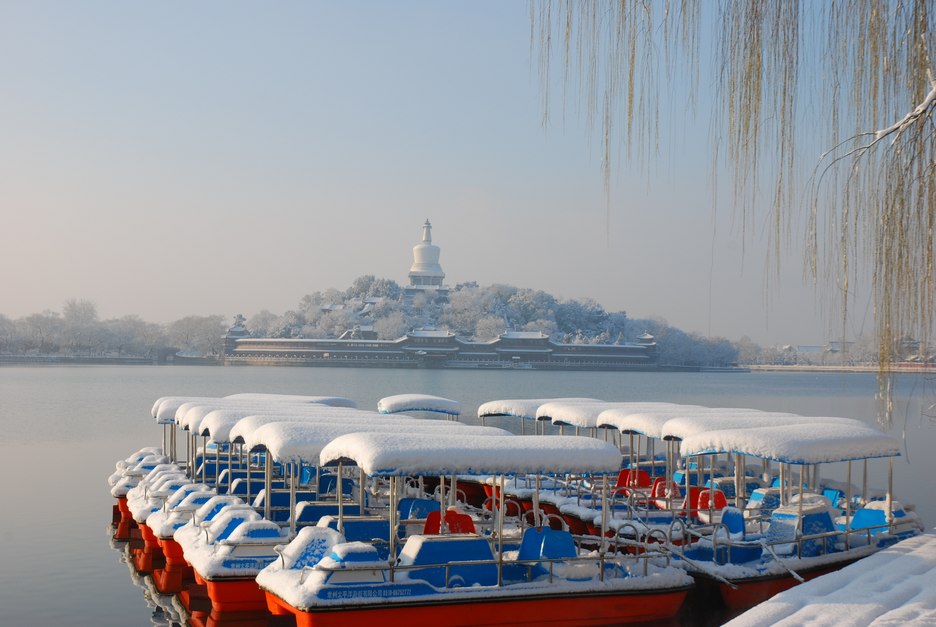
point(242, 430)
point(218, 422)
point(418, 402)
point(685, 426)
point(304, 441)
point(797, 444)
point(896, 586)
point(386, 454)
point(524, 408)
point(585, 414)
point(650, 421)
point(189, 415)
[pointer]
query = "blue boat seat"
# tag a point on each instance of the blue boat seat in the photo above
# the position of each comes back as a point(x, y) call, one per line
point(373, 530)
point(834, 495)
point(309, 546)
point(434, 552)
point(327, 484)
point(416, 509)
point(239, 487)
point(310, 512)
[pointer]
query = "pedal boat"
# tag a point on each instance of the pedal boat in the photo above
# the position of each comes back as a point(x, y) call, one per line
point(467, 578)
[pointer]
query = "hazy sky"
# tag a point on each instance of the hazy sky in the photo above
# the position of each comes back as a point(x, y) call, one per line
point(180, 158)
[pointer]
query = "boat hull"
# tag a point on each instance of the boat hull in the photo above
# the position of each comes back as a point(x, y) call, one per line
point(234, 594)
point(581, 610)
point(756, 590)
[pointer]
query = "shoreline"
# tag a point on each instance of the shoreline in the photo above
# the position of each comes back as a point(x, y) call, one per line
point(895, 369)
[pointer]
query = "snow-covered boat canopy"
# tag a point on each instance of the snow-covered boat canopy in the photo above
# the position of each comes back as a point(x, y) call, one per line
point(817, 443)
point(165, 408)
point(390, 454)
point(418, 402)
point(218, 423)
point(686, 426)
point(650, 421)
point(524, 408)
point(242, 430)
point(585, 414)
point(189, 415)
point(295, 442)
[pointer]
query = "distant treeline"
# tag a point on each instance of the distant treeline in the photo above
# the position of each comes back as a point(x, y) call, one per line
point(373, 304)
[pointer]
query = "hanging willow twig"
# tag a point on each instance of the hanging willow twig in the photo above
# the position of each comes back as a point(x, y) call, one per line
point(780, 85)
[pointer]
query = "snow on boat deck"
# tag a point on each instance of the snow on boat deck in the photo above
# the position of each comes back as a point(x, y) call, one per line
point(896, 586)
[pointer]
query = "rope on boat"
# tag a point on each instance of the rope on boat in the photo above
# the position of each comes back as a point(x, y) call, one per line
point(699, 567)
point(783, 563)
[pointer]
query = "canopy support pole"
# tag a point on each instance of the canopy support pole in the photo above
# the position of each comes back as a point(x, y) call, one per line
point(394, 522)
point(502, 511)
point(267, 483)
point(293, 479)
point(889, 500)
point(362, 484)
point(340, 499)
point(739, 480)
point(848, 503)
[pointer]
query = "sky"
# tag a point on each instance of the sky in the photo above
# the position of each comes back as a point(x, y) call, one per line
point(193, 158)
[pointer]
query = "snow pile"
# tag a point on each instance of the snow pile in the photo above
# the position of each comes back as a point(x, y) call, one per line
point(796, 444)
point(418, 402)
point(524, 408)
point(219, 423)
point(649, 420)
point(424, 454)
point(722, 419)
point(304, 441)
point(896, 586)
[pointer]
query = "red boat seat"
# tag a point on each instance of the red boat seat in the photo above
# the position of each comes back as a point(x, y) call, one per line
point(711, 501)
point(630, 478)
point(456, 521)
point(659, 490)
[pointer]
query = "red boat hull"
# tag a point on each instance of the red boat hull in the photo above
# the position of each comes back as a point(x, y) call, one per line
point(125, 524)
point(234, 595)
point(582, 610)
point(754, 591)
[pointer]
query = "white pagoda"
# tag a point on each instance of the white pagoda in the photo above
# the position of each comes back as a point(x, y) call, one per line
point(426, 273)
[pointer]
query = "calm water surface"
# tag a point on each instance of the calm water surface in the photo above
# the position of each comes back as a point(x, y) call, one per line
point(64, 427)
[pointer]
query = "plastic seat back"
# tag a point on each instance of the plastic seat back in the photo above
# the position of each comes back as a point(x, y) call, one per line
point(455, 521)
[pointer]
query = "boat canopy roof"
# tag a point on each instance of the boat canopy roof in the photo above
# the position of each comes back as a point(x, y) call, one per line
point(219, 422)
point(418, 402)
point(524, 408)
point(585, 415)
point(650, 421)
point(394, 454)
point(190, 415)
point(796, 444)
point(244, 427)
point(164, 409)
point(303, 441)
point(686, 426)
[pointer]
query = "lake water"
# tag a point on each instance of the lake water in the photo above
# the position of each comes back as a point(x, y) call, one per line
point(64, 427)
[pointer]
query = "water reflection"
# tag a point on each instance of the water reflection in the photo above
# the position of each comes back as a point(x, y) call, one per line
point(165, 611)
point(173, 595)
